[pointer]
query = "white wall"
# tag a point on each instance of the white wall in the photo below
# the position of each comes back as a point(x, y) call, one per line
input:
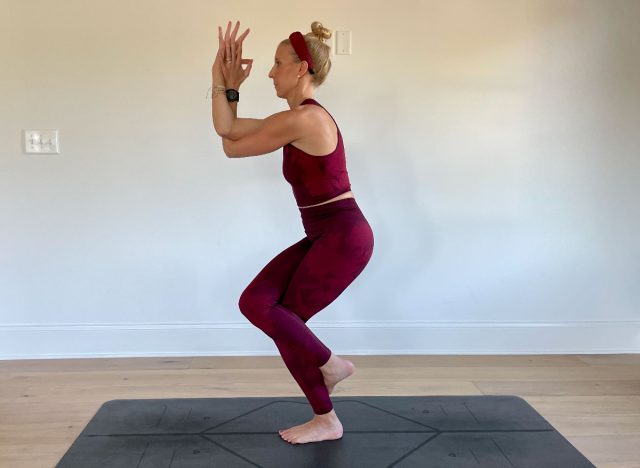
point(492, 145)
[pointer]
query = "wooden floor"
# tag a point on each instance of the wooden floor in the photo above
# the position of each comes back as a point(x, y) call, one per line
point(592, 400)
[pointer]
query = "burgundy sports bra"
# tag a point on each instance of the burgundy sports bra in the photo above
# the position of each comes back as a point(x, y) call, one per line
point(315, 179)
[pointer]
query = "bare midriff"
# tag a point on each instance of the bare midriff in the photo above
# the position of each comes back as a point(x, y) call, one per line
point(348, 194)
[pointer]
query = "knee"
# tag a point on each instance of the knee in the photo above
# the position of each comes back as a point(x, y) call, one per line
point(256, 310)
point(251, 305)
point(245, 303)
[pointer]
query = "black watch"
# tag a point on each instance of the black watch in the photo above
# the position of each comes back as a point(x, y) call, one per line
point(233, 95)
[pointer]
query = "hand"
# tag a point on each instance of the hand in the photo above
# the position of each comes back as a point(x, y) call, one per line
point(231, 62)
point(216, 70)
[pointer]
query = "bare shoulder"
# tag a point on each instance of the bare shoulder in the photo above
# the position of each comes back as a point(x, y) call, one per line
point(315, 117)
point(297, 117)
point(310, 110)
point(318, 130)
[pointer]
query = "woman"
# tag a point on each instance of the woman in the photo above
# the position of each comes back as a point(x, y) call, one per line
point(309, 275)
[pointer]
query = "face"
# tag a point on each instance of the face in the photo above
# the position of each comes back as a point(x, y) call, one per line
point(284, 72)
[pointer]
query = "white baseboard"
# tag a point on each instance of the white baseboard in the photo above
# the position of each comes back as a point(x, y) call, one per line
point(24, 341)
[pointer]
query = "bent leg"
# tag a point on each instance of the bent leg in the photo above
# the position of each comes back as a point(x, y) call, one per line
point(261, 303)
point(335, 259)
point(333, 262)
point(300, 348)
point(297, 284)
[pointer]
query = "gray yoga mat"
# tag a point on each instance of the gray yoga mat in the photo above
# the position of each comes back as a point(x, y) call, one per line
point(407, 431)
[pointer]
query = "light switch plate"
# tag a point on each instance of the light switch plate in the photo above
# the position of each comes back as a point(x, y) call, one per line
point(41, 142)
point(343, 42)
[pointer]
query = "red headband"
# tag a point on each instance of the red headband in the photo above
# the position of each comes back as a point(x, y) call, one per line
point(297, 41)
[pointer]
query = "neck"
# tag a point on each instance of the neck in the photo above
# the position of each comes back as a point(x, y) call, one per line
point(293, 103)
point(299, 94)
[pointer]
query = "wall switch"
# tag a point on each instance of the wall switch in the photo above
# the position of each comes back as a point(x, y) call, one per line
point(343, 42)
point(41, 141)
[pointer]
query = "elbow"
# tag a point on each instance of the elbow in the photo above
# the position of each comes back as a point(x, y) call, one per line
point(222, 133)
point(226, 147)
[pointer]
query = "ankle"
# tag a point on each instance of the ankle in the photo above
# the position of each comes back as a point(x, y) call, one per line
point(328, 418)
point(330, 364)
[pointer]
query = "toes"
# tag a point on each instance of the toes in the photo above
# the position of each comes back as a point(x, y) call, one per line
point(286, 435)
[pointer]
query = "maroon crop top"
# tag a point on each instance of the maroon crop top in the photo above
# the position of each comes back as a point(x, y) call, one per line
point(315, 179)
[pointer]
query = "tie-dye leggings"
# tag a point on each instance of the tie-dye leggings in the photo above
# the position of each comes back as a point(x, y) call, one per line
point(304, 279)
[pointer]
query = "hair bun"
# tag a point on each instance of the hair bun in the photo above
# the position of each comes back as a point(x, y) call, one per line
point(320, 31)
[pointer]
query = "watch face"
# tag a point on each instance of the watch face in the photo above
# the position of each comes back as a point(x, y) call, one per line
point(232, 94)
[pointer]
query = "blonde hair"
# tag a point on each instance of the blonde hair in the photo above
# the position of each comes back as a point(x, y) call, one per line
point(319, 50)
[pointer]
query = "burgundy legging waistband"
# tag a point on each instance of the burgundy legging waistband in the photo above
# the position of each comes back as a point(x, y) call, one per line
point(337, 214)
point(350, 201)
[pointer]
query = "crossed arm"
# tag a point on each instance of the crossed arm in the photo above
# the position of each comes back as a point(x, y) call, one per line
point(227, 113)
point(243, 127)
point(254, 137)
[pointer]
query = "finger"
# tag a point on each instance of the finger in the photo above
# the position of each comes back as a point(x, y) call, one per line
point(247, 62)
point(226, 40)
point(220, 52)
point(232, 56)
point(226, 35)
point(244, 34)
point(235, 31)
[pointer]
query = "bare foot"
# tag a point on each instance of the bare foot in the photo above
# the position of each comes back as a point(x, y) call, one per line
point(335, 370)
point(321, 427)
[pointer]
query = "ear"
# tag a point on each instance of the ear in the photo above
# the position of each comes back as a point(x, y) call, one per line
point(304, 66)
